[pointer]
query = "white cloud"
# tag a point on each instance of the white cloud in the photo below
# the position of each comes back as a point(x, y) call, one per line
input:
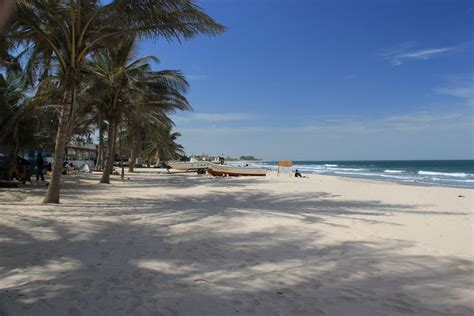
point(423, 120)
point(404, 123)
point(462, 88)
point(424, 53)
point(421, 135)
point(405, 52)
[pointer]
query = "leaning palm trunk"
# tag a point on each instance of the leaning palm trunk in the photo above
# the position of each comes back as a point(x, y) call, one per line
point(52, 196)
point(133, 157)
point(100, 154)
point(109, 164)
point(157, 157)
point(122, 168)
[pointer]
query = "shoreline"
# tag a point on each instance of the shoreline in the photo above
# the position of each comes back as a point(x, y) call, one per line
point(453, 174)
point(408, 183)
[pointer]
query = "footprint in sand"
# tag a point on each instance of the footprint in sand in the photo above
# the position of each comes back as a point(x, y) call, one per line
point(237, 302)
point(86, 283)
point(137, 274)
point(113, 280)
point(93, 267)
point(251, 261)
point(399, 305)
point(350, 295)
point(171, 311)
point(74, 311)
point(317, 284)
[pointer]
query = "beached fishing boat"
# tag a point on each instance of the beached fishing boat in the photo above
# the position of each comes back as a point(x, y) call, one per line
point(188, 165)
point(222, 170)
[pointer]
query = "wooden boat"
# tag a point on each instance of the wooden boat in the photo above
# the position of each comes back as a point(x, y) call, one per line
point(188, 165)
point(223, 170)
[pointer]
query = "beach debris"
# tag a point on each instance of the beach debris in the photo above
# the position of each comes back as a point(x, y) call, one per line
point(461, 196)
point(202, 280)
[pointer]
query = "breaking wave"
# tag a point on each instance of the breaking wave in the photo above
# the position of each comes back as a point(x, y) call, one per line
point(445, 174)
point(394, 171)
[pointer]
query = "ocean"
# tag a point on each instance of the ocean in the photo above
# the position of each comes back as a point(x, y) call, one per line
point(449, 173)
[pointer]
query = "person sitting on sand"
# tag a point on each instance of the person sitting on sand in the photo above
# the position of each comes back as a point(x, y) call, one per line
point(298, 174)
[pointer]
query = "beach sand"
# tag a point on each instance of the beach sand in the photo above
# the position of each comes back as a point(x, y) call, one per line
point(182, 244)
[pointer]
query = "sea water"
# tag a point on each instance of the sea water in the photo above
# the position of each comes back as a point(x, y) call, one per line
point(450, 173)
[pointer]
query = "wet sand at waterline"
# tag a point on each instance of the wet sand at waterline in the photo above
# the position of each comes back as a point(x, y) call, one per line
point(182, 244)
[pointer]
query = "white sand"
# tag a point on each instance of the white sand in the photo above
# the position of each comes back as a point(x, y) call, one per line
point(187, 245)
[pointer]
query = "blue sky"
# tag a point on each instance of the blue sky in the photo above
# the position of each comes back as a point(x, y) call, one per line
point(329, 80)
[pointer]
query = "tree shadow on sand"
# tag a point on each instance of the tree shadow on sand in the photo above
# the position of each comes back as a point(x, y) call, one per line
point(74, 185)
point(195, 255)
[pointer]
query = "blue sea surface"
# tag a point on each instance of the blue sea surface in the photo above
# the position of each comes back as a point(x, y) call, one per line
point(449, 173)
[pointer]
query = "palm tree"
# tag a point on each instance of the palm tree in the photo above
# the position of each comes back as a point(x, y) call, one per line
point(74, 29)
point(130, 90)
point(163, 95)
point(162, 144)
point(18, 118)
point(8, 61)
point(141, 127)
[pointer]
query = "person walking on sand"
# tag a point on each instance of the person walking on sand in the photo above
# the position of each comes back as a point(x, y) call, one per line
point(39, 167)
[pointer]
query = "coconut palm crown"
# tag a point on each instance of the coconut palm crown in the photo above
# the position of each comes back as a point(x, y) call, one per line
point(73, 30)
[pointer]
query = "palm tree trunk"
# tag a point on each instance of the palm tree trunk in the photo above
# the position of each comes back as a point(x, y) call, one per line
point(122, 175)
point(109, 164)
point(52, 196)
point(103, 156)
point(157, 156)
point(99, 165)
point(114, 147)
point(133, 157)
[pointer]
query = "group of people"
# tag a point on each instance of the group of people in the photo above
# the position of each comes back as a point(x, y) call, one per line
point(41, 166)
point(68, 167)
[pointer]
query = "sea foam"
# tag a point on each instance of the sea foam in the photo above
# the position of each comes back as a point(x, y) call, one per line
point(454, 180)
point(394, 171)
point(446, 174)
point(346, 169)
